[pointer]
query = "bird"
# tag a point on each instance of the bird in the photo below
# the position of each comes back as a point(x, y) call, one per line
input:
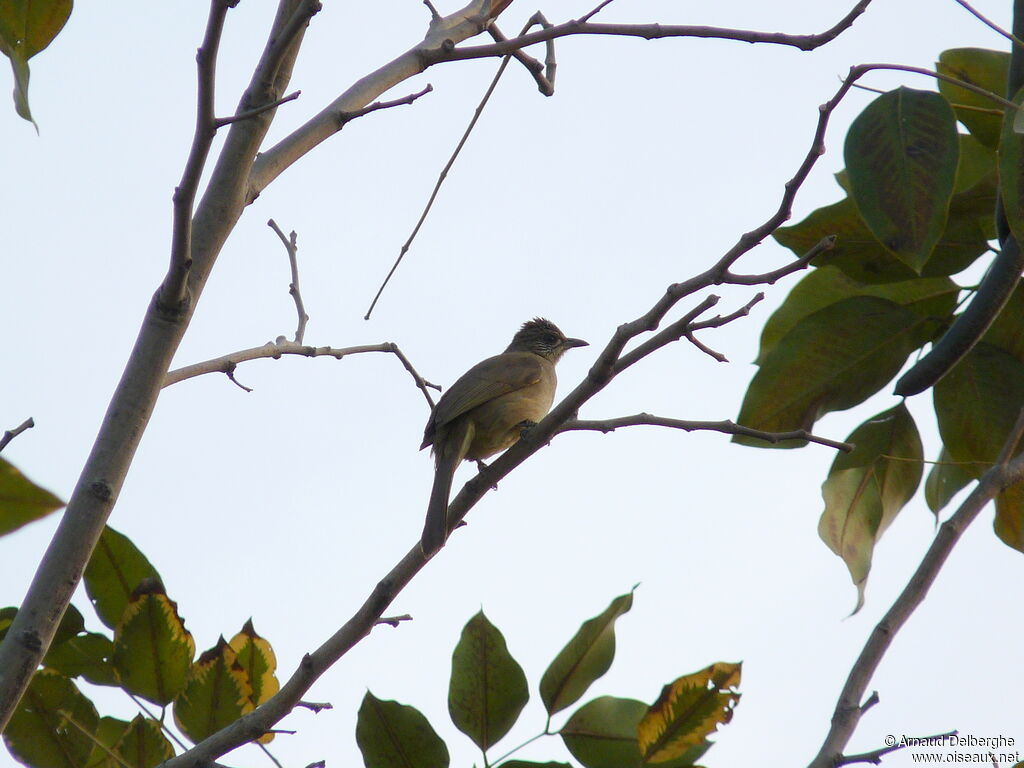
point(487, 409)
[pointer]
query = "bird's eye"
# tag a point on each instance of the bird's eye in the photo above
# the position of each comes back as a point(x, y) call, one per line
point(550, 339)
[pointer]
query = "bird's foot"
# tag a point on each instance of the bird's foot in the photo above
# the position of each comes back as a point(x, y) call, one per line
point(524, 427)
point(480, 466)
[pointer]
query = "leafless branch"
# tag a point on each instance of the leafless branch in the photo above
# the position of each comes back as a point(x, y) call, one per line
point(990, 24)
point(10, 434)
point(248, 114)
point(348, 117)
point(276, 349)
point(1007, 471)
point(875, 756)
point(587, 17)
point(440, 180)
point(315, 706)
point(726, 427)
point(648, 32)
point(292, 247)
point(174, 291)
point(542, 75)
point(394, 621)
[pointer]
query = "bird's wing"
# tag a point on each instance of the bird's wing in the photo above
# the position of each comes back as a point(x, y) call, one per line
point(485, 381)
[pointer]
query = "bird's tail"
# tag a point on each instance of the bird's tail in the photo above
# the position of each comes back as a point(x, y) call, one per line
point(452, 450)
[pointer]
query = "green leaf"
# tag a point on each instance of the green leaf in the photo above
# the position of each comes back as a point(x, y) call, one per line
point(116, 568)
point(856, 252)
point(108, 733)
point(831, 360)
point(946, 479)
point(143, 744)
point(688, 711)
point(977, 404)
point(1011, 173)
point(26, 28)
point(1009, 522)
point(977, 163)
point(901, 154)
point(584, 659)
point(987, 69)
point(393, 735)
point(488, 687)
point(603, 733)
point(87, 655)
point(867, 487)
point(928, 297)
point(53, 724)
point(1007, 331)
point(21, 500)
point(217, 692)
point(152, 648)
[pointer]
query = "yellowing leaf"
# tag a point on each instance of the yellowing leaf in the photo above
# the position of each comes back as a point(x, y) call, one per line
point(152, 648)
point(688, 711)
point(217, 692)
point(256, 658)
point(867, 487)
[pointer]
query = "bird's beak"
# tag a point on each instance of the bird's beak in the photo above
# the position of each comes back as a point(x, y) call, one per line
point(570, 343)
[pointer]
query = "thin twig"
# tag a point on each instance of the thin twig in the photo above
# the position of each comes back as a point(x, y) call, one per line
point(848, 711)
point(174, 291)
point(726, 427)
point(875, 756)
point(648, 32)
point(275, 349)
point(315, 706)
point(158, 720)
point(584, 19)
point(534, 67)
point(10, 434)
point(267, 752)
point(91, 736)
point(990, 24)
point(394, 621)
point(292, 247)
point(248, 114)
point(348, 117)
point(440, 180)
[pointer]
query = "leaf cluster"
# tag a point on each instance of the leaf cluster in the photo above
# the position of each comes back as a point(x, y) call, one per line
point(920, 208)
point(150, 655)
point(488, 690)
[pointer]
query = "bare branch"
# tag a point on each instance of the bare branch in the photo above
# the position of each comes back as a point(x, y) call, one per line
point(394, 621)
point(440, 180)
point(875, 756)
point(347, 117)
point(439, 46)
point(275, 349)
point(848, 709)
point(315, 706)
point(990, 24)
point(770, 278)
point(648, 32)
point(10, 434)
point(726, 427)
point(292, 247)
point(584, 19)
point(174, 291)
point(534, 67)
point(248, 114)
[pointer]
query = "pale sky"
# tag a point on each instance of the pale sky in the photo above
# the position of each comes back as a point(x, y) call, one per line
point(288, 504)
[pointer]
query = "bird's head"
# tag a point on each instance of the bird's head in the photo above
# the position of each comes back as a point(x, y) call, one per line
point(542, 337)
